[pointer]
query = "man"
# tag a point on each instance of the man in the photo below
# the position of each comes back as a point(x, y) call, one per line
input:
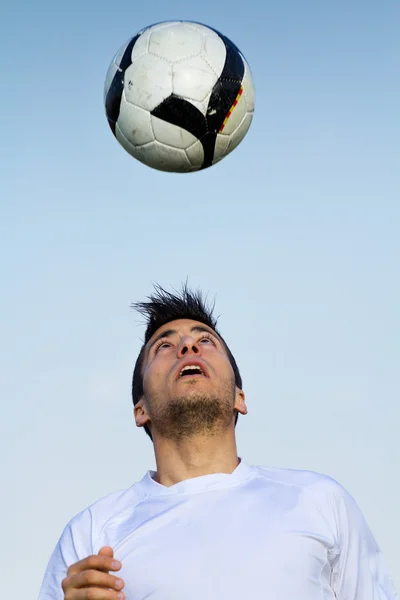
point(206, 525)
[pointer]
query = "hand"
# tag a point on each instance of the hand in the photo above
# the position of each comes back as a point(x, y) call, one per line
point(89, 578)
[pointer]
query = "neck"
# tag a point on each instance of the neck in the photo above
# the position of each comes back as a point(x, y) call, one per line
point(178, 460)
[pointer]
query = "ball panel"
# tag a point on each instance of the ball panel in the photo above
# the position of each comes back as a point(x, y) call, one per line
point(163, 25)
point(116, 85)
point(175, 42)
point(112, 69)
point(163, 158)
point(135, 124)
point(234, 64)
point(126, 144)
point(222, 99)
point(203, 105)
point(156, 155)
point(249, 92)
point(213, 51)
point(142, 45)
point(195, 154)
point(221, 146)
point(170, 134)
point(225, 92)
point(238, 135)
point(184, 114)
point(148, 81)
point(193, 79)
point(235, 117)
point(119, 55)
point(196, 26)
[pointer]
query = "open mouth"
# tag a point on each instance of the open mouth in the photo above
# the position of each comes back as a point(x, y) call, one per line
point(191, 370)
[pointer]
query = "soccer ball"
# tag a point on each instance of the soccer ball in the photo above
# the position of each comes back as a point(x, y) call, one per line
point(179, 96)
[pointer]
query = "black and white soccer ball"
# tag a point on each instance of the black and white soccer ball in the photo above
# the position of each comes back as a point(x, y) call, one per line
point(179, 96)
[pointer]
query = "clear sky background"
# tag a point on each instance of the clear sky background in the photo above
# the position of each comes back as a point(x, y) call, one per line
point(295, 235)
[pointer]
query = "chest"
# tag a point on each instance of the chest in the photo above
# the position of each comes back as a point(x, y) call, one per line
point(219, 548)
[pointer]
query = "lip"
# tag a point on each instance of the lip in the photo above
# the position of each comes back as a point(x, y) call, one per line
point(191, 361)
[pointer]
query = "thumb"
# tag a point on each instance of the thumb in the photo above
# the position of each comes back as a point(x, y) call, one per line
point(106, 551)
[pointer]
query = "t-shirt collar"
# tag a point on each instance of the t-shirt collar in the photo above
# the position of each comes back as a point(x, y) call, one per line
point(195, 484)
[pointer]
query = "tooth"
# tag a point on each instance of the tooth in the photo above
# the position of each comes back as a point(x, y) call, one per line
point(187, 367)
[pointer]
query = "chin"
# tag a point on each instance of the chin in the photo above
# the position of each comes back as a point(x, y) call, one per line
point(196, 382)
point(194, 413)
point(196, 389)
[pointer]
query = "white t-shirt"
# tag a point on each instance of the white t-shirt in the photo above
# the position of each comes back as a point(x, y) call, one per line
point(259, 533)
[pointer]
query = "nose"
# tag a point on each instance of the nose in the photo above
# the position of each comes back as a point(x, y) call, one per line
point(188, 346)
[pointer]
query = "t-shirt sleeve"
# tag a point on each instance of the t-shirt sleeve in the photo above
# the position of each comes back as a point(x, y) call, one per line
point(359, 571)
point(74, 544)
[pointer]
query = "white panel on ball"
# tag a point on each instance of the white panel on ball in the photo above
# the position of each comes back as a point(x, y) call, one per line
point(248, 89)
point(164, 25)
point(141, 46)
point(175, 42)
point(148, 81)
point(163, 158)
point(171, 135)
point(240, 132)
point(193, 78)
point(196, 26)
point(221, 146)
point(195, 154)
point(135, 122)
point(126, 144)
point(214, 51)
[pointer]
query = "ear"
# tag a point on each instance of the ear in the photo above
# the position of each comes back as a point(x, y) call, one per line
point(240, 404)
point(140, 413)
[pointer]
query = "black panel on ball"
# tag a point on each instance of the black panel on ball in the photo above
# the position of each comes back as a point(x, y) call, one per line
point(114, 94)
point(181, 112)
point(227, 88)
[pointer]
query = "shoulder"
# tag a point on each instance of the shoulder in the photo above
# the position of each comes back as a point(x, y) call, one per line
point(95, 517)
point(313, 493)
point(310, 482)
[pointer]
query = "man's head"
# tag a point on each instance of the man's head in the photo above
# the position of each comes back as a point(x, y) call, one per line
point(186, 380)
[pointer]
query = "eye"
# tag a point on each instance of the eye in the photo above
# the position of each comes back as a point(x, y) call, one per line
point(206, 339)
point(161, 344)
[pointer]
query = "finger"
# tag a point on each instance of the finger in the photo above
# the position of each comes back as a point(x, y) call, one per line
point(92, 578)
point(96, 561)
point(106, 551)
point(93, 594)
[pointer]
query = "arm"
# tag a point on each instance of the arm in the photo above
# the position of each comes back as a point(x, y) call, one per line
point(359, 571)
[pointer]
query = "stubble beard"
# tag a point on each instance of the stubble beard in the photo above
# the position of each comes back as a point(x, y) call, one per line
point(195, 413)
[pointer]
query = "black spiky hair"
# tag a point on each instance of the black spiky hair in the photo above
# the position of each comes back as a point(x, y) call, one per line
point(163, 307)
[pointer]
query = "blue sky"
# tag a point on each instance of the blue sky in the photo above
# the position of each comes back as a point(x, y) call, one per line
point(295, 235)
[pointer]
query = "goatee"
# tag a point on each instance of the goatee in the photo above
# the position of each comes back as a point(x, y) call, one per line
point(194, 415)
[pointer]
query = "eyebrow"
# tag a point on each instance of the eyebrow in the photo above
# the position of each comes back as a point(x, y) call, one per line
point(164, 334)
point(196, 329)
